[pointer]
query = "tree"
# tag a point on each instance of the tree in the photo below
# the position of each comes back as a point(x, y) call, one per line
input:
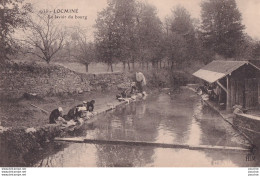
point(115, 32)
point(180, 38)
point(183, 30)
point(176, 49)
point(125, 12)
point(256, 50)
point(12, 14)
point(149, 33)
point(221, 28)
point(107, 36)
point(82, 50)
point(43, 36)
point(181, 22)
point(128, 31)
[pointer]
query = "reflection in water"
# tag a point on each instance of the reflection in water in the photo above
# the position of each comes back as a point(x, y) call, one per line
point(47, 157)
point(179, 118)
point(119, 156)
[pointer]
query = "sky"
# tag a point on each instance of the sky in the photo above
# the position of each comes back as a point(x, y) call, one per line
point(250, 10)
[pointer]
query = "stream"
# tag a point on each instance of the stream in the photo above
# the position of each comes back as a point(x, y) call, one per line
point(179, 118)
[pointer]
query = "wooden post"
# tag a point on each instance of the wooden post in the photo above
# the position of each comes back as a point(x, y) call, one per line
point(228, 104)
point(258, 92)
point(244, 88)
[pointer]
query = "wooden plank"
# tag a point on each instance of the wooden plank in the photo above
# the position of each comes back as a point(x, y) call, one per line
point(240, 87)
point(258, 92)
point(210, 147)
point(251, 93)
point(74, 139)
point(40, 108)
point(151, 144)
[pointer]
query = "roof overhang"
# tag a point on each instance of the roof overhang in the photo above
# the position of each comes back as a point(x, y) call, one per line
point(213, 76)
point(209, 76)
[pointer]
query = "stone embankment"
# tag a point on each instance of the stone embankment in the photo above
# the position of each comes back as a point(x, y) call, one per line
point(42, 80)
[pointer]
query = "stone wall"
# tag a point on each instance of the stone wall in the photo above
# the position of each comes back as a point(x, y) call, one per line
point(17, 79)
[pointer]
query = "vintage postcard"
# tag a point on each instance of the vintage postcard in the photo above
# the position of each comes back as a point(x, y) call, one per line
point(129, 83)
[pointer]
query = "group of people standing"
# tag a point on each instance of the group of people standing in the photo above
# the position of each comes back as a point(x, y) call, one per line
point(74, 113)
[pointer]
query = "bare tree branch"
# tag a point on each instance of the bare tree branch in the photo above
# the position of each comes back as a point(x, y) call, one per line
point(43, 33)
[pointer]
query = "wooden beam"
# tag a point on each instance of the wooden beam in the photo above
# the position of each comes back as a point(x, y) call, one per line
point(151, 144)
point(40, 108)
point(228, 108)
point(222, 86)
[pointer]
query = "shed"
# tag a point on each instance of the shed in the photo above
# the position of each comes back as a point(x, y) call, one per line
point(238, 79)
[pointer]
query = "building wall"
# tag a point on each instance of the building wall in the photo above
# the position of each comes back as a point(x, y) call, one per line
point(244, 87)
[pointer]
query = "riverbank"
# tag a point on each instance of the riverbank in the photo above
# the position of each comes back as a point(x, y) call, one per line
point(19, 141)
point(18, 80)
point(20, 113)
point(229, 118)
point(226, 116)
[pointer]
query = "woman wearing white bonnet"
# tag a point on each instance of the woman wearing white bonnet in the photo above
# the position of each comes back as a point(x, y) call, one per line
point(56, 115)
point(60, 109)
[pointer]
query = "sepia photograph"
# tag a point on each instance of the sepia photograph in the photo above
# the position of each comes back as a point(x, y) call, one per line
point(129, 83)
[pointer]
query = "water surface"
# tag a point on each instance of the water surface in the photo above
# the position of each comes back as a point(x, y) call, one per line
point(178, 118)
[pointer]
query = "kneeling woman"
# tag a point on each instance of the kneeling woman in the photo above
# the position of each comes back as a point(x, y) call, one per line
point(56, 116)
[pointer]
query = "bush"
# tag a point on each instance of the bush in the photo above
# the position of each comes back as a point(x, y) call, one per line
point(161, 78)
